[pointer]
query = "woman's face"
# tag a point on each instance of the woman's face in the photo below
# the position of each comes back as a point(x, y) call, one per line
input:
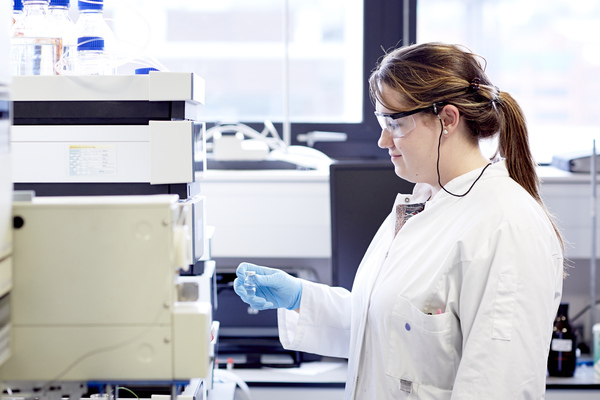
point(414, 155)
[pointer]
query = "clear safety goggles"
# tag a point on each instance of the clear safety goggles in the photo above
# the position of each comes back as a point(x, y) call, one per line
point(399, 124)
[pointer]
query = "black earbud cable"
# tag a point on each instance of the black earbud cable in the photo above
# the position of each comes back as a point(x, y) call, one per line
point(438, 164)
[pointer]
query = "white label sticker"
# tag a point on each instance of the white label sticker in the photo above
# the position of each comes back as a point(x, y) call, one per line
point(562, 345)
point(92, 160)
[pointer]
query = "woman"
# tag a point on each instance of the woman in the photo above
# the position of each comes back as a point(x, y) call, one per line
point(457, 293)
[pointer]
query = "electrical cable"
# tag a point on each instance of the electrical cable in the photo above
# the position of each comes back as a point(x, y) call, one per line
point(228, 376)
point(101, 350)
point(126, 389)
point(274, 142)
point(154, 324)
point(438, 161)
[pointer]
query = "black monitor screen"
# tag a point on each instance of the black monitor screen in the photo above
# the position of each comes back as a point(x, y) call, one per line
point(362, 195)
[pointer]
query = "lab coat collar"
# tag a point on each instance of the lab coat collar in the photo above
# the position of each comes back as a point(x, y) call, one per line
point(462, 183)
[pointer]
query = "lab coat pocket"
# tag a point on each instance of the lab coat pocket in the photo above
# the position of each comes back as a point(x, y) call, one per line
point(424, 349)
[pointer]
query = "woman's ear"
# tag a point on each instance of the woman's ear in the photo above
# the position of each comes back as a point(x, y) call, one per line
point(450, 117)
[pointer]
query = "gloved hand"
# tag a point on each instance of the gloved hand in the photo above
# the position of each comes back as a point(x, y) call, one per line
point(274, 288)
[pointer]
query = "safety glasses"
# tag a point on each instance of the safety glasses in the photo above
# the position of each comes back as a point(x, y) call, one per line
point(399, 124)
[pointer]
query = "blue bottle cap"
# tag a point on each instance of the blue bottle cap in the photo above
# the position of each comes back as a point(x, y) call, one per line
point(144, 71)
point(18, 5)
point(90, 4)
point(90, 43)
point(60, 3)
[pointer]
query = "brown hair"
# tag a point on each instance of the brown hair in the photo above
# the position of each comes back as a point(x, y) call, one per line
point(428, 73)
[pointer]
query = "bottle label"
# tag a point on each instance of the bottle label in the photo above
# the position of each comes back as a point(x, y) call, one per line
point(564, 345)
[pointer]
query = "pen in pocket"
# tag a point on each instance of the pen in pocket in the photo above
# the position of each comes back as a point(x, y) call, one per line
point(439, 311)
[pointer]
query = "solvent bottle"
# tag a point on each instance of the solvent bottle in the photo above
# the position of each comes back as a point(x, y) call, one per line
point(64, 28)
point(95, 40)
point(34, 48)
point(562, 358)
point(91, 59)
point(17, 10)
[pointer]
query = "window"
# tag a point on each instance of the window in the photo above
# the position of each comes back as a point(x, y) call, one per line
point(545, 53)
point(248, 58)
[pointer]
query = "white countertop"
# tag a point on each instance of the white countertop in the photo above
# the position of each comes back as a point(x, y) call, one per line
point(547, 174)
point(334, 372)
point(584, 377)
point(316, 372)
point(550, 174)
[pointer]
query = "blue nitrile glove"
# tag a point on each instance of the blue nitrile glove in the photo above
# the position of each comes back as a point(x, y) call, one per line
point(274, 288)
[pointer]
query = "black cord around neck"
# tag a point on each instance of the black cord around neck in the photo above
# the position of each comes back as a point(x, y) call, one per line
point(438, 167)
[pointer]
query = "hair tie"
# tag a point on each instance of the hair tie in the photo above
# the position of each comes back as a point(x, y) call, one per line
point(474, 85)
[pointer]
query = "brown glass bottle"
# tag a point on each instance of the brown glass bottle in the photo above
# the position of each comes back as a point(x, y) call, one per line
point(562, 358)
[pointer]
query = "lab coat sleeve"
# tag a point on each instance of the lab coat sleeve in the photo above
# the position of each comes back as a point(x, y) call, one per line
point(508, 300)
point(323, 324)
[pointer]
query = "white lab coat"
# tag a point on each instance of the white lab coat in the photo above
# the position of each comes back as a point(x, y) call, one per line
point(490, 262)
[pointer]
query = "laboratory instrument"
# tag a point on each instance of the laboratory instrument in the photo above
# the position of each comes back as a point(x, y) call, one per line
point(108, 138)
point(98, 296)
point(112, 135)
point(6, 188)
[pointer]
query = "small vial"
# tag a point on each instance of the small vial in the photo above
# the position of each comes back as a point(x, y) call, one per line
point(249, 283)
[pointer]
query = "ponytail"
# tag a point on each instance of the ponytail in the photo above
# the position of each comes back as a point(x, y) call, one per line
point(513, 146)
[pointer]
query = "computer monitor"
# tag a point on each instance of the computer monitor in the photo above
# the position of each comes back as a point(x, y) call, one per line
point(362, 195)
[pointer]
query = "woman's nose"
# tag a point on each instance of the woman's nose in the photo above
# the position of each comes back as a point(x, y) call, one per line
point(385, 140)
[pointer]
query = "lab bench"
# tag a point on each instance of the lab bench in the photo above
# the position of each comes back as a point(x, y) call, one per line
point(325, 381)
point(319, 380)
point(582, 386)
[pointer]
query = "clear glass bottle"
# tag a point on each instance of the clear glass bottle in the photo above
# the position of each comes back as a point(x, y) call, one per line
point(64, 28)
point(91, 24)
point(91, 59)
point(17, 10)
point(34, 49)
point(250, 284)
point(562, 358)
